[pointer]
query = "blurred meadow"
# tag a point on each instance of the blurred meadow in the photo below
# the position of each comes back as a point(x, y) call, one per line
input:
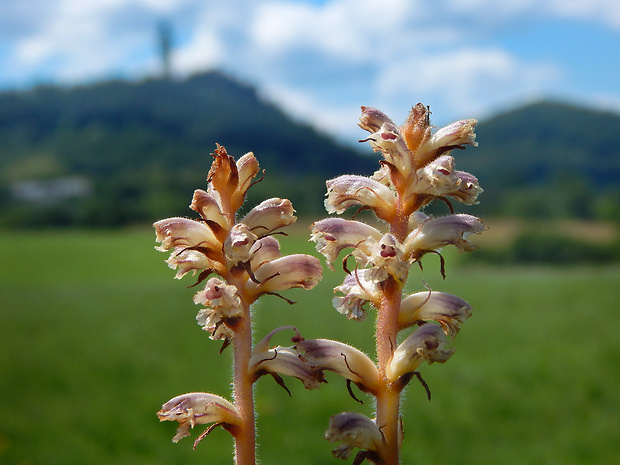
point(96, 335)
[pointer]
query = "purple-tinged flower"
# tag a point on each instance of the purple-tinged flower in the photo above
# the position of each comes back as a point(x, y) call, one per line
point(198, 408)
point(223, 307)
point(343, 359)
point(357, 289)
point(435, 233)
point(385, 257)
point(355, 430)
point(332, 235)
point(270, 215)
point(284, 361)
point(184, 237)
point(238, 244)
point(425, 344)
point(349, 190)
point(446, 309)
point(288, 272)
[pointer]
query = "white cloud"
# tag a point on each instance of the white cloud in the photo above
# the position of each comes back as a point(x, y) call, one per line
point(319, 61)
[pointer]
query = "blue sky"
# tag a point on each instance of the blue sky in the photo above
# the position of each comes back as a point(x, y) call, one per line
point(321, 60)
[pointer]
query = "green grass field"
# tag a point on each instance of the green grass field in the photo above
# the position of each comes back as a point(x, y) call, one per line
point(95, 335)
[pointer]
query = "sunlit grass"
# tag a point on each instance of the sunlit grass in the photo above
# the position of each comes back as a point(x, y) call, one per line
point(96, 335)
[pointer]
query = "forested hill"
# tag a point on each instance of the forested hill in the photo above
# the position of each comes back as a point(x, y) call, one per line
point(548, 159)
point(120, 152)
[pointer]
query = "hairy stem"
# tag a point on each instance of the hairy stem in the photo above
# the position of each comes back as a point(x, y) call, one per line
point(388, 397)
point(245, 439)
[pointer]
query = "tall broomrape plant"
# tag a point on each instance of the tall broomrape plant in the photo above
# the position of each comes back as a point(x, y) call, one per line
point(416, 169)
point(246, 261)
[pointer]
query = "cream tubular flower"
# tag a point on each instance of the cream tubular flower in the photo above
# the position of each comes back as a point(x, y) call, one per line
point(426, 344)
point(343, 359)
point(284, 361)
point(349, 190)
point(270, 215)
point(290, 271)
point(355, 430)
point(332, 235)
point(446, 309)
point(205, 204)
point(193, 245)
point(198, 408)
point(436, 233)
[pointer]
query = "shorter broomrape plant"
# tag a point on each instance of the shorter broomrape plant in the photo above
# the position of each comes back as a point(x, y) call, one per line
point(417, 169)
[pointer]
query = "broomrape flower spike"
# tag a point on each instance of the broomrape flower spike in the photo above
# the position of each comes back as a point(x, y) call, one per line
point(417, 168)
point(238, 261)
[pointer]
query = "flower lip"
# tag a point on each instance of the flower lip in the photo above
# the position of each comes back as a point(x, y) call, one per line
point(425, 344)
point(198, 408)
point(354, 430)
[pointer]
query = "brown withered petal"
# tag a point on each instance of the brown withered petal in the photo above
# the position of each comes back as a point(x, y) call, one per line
point(447, 309)
point(425, 344)
point(435, 233)
point(198, 408)
point(223, 179)
point(349, 190)
point(283, 360)
point(290, 271)
point(270, 215)
point(343, 359)
point(354, 430)
point(335, 234)
point(417, 130)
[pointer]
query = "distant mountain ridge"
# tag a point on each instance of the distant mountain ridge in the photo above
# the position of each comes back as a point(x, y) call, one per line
point(145, 146)
point(125, 152)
